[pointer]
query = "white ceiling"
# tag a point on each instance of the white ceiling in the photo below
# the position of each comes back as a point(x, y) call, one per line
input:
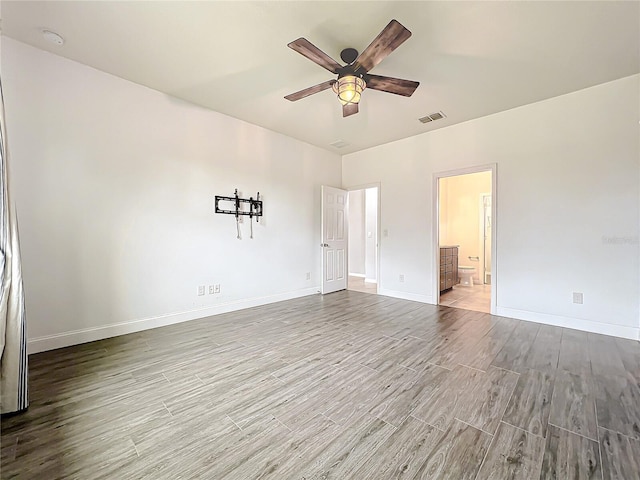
point(471, 58)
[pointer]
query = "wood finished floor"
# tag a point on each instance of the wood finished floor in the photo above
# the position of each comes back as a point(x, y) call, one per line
point(345, 386)
point(477, 298)
point(357, 284)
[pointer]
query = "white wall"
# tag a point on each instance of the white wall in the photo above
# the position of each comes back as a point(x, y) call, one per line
point(114, 185)
point(356, 233)
point(567, 206)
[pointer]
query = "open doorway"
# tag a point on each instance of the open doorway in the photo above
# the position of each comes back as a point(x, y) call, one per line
point(465, 239)
point(363, 239)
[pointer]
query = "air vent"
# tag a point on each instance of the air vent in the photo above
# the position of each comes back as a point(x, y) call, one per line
point(339, 144)
point(432, 117)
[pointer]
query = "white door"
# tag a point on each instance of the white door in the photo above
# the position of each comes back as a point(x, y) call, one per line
point(334, 239)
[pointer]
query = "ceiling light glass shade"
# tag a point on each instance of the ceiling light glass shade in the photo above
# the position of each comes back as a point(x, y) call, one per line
point(349, 88)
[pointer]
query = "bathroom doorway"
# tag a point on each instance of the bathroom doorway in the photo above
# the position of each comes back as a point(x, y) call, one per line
point(363, 239)
point(464, 238)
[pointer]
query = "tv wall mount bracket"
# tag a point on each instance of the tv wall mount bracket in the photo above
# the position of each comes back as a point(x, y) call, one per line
point(255, 208)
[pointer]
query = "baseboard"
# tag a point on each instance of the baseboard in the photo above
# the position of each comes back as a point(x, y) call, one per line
point(632, 333)
point(359, 275)
point(406, 296)
point(66, 339)
point(51, 342)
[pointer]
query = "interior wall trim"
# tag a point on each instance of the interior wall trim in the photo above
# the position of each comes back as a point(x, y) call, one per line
point(416, 297)
point(622, 331)
point(76, 337)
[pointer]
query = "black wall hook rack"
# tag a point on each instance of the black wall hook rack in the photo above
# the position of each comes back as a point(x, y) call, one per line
point(255, 206)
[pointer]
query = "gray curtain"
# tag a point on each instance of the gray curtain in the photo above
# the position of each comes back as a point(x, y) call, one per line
point(13, 335)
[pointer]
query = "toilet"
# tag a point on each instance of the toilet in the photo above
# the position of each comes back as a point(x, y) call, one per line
point(466, 275)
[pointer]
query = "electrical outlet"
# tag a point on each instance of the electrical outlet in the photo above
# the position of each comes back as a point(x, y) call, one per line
point(385, 233)
point(401, 278)
point(578, 298)
point(216, 288)
point(308, 275)
point(200, 290)
point(211, 290)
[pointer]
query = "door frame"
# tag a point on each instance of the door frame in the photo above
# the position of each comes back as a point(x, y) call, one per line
point(378, 225)
point(493, 168)
point(482, 232)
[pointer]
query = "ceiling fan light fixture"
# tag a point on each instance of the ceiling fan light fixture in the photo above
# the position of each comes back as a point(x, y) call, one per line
point(349, 89)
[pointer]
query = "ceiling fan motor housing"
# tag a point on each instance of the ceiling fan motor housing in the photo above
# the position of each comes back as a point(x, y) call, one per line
point(349, 55)
point(348, 71)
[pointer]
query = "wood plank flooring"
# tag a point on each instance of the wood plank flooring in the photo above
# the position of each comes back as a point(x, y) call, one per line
point(357, 284)
point(345, 386)
point(477, 298)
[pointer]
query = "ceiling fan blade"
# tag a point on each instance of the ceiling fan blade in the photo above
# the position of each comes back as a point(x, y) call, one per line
point(386, 42)
point(313, 53)
point(310, 91)
point(398, 86)
point(349, 109)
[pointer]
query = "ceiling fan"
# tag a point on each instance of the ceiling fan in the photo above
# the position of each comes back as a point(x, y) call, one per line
point(354, 77)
